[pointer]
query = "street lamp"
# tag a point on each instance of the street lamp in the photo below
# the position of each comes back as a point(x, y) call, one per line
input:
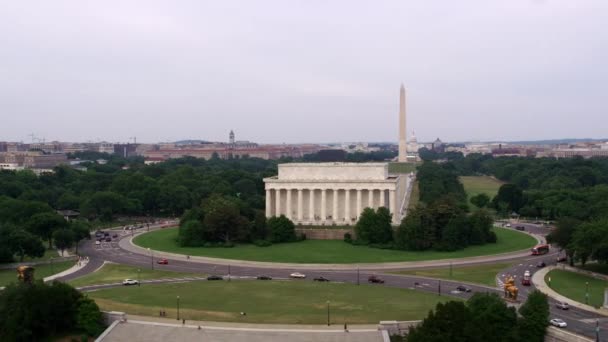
point(151, 257)
point(327, 313)
point(178, 308)
point(439, 288)
point(138, 272)
point(357, 275)
point(586, 292)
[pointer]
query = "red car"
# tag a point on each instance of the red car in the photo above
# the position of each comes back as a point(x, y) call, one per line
point(163, 261)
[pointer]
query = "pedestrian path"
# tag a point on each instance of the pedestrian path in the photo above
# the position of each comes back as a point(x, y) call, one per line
point(82, 262)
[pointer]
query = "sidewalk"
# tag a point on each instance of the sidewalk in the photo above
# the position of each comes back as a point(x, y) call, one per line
point(538, 279)
point(79, 265)
point(128, 245)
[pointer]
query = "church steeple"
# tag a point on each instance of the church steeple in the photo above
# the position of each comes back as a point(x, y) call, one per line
point(231, 137)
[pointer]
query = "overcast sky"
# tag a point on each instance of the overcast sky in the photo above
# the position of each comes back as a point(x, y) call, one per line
point(303, 71)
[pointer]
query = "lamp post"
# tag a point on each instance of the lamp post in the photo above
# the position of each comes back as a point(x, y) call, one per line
point(178, 308)
point(597, 330)
point(586, 292)
point(439, 288)
point(138, 272)
point(357, 275)
point(328, 313)
point(151, 257)
point(450, 270)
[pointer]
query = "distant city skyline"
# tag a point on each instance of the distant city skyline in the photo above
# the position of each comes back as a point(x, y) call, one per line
point(303, 72)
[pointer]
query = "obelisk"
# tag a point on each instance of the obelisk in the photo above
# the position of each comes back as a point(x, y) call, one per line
point(402, 139)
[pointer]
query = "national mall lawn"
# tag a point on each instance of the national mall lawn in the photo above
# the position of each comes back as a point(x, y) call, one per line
point(295, 302)
point(331, 251)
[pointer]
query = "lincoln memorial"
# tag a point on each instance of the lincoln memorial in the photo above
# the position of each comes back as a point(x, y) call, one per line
point(334, 193)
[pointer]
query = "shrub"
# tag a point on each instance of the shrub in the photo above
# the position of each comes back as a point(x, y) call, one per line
point(262, 243)
point(348, 238)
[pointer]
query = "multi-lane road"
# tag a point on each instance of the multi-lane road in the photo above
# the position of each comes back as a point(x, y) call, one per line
point(579, 321)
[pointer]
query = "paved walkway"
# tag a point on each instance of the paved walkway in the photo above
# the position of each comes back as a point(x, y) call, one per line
point(79, 265)
point(539, 281)
point(127, 244)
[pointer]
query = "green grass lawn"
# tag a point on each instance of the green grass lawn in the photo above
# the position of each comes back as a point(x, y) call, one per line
point(573, 286)
point(298, 302)
point(402, 167)
point(115, 273)
point(415, 196)
point(330, 251)
point(40, 272)
point(480, 274)
point(474, 185)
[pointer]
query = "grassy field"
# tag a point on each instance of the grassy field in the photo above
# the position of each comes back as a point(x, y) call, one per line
point(40, 272)
point(480, 274)
point(299, 302)
point(402, 167)
point(415, 196)
point(475, 185)
point(330, 251)
point(115, 273)
point(573, 286)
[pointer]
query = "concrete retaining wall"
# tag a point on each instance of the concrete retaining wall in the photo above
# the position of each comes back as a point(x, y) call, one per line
point(325, 234)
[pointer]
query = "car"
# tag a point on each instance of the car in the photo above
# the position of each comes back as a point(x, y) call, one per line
point(508, 225)
point(98, 234)
point(130, 282)
point(562, 305)
point(215, 277)
point(115, 235)
point(522, 228)
point(320, 279)
point(561, 258)
point(108, 239)
point(375, 280)
point(163, 261)
point(556, 322)
point(97, 242)
point(297, 275)
point(106, 234)
point(541, 264)
point(263, 277)
point(463, 288)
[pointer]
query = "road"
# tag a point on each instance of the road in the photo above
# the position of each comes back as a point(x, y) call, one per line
point(579, 321)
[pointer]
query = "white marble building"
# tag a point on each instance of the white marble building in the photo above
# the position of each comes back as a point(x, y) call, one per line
point(328, 193)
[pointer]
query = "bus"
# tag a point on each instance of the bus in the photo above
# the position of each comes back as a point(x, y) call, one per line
point(540, 249)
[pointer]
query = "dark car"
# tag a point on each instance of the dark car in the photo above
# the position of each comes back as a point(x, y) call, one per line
point(375, 280)
point(263, 277)
point(98, 233)
point(463, 288)
point(106, 234)
point(215, 277)
point(541, 264)
point(108, 239)
point(520, 228)
point(115, 235)
point(163, 261)
point(561, 258)
point(320, 279)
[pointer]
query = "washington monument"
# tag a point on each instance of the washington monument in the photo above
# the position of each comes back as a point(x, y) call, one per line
point(402, 141)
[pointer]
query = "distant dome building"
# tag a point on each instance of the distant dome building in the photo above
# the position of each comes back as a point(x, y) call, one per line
point(412, 148)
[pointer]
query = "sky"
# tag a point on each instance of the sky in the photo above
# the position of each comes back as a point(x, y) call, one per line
point(303, 71)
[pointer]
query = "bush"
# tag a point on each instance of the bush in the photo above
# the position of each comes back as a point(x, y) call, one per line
point(491, 238)
point(348, 238)
point(302, 237)
point(262, 243)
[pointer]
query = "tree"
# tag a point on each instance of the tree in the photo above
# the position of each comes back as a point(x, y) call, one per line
point(190, 234)
point(510, 195)
point(64, 239)
point(374, 226)
point(88, 317)
point(492, 319)
point(480, 200)
point(364, 226)
point(23, 243)
point(563, 236)
point(535, 317)
point(259, 229)
point(104, 204)
point(281, 229)
point(44, 224)
point(81, 230)
point(480, 223)
point(223, 220)
point(448, 322)
point(416, 231)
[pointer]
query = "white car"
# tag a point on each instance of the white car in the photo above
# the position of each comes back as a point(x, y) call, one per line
point(558, 323)
point(297, 275)
point(98, 242)
point(130, 282)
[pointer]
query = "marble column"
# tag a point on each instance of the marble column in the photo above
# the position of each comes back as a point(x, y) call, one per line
point(277, 203)
point(334, 215)
point(383, 199)
point(311, 205)
point(370, 198)
point(323, 205)
point(359, 208)
point(289, 213)
point(300, 207)
point(347, 205)
point(268, 203)
point(393, 206)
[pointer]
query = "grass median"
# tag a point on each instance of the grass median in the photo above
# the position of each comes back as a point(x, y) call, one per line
point(479, 274)
point(116, 273)
point(574, 286)
point(295, 302)
point(41, 271)
point(330, 251)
